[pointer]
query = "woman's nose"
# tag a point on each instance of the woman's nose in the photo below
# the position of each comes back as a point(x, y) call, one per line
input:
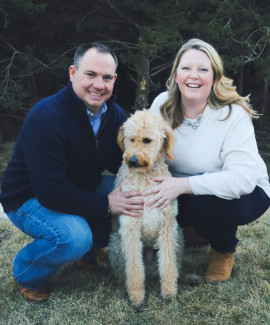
point(194, 73)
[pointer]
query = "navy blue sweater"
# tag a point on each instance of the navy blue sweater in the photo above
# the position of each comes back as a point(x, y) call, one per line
point(58, 159)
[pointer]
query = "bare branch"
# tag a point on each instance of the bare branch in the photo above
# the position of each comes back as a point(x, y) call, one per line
point(123, 15)
point(160, 70)
point(84, 18)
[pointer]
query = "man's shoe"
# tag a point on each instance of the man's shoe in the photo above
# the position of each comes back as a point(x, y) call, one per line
point(220, 267)
point(36, 296)
point(87, 265)
point(99, 261)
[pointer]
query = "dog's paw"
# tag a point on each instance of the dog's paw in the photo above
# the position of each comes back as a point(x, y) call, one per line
point(136, 297)
point(190, 279)
point(169, 292)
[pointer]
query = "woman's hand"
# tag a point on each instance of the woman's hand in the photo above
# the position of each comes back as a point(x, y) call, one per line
point(166, 190)
point(127, 203)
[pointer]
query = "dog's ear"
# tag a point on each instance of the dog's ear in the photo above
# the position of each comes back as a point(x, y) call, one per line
point(168, 141)
point(120, 138)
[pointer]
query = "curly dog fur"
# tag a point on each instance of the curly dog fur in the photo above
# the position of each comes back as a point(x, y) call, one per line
point(144, 138)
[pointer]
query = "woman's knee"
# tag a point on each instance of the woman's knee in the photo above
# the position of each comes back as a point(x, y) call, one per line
point(203, 209)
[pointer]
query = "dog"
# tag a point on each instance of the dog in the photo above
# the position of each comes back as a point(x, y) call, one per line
point(145, 138)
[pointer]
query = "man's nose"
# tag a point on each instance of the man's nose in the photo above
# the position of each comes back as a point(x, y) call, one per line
point(98, 83)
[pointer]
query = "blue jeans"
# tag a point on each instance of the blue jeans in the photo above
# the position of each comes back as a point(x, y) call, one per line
point(58, 238)
point(217, 219)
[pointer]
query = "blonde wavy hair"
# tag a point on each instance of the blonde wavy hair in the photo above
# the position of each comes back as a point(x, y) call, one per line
point(222, 93)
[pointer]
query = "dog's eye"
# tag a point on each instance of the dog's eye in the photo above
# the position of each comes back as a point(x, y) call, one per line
point(146, 140)
point(132, 139)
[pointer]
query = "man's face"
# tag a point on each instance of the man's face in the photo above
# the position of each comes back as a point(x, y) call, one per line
point(94, 79)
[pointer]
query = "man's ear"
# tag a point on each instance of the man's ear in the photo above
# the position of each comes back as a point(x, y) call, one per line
point(168, 141)
point(72, 71)
point(120, 138)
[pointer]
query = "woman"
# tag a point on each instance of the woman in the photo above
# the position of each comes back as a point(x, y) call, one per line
point(219, 178)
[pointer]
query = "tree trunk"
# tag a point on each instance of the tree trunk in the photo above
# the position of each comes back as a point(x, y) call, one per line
point(142, 86)
point(32, 90)
point(264, 104)
point(240, 79)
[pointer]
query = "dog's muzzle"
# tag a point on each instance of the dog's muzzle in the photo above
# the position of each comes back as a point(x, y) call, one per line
point(133, 161)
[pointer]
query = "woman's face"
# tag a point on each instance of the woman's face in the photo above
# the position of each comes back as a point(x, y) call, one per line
point(194, 76)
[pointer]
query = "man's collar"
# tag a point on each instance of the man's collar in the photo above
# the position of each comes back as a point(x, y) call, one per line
point(101, 111)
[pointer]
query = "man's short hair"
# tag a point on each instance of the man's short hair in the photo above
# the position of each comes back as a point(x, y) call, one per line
point(101, 48)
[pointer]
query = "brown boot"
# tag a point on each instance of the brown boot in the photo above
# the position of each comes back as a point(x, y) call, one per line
point(36, 296)
point(100, 261)
point(220, 267)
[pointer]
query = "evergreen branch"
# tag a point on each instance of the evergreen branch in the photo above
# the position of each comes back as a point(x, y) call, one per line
point(12, 115)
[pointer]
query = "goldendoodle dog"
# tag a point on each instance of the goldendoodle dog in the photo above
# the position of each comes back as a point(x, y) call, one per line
point(145, 139)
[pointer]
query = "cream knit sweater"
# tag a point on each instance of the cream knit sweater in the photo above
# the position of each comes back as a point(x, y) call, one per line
point(220, 157)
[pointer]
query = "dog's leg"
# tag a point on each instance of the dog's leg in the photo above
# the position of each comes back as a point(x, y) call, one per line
point(167, 259)
point(117, 263)
point(116, 257)
point(132, 251)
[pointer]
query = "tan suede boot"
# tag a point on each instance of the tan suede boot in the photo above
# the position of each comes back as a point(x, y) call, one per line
point(220, 267)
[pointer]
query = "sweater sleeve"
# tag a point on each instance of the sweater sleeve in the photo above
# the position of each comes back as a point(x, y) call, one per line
point(239, 154)
point(45, 150)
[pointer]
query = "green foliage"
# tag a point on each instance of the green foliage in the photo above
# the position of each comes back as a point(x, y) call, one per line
point(39, 37)
point(9, 8)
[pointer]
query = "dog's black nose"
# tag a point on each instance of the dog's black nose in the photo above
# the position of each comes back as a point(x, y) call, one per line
point(133, 161)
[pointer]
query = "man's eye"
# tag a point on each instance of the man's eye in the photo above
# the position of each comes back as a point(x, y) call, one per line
point(146, 140)
point(132, 139)
point(108, 78)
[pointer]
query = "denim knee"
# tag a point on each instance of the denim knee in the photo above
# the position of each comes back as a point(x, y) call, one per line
point(75, 240)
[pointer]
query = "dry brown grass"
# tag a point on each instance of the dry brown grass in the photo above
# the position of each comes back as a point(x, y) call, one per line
point(90, 298)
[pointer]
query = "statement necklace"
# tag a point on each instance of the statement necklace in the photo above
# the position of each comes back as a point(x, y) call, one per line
point(194, 124)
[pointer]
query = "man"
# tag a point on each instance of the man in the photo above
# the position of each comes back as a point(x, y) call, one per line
point(52, 188)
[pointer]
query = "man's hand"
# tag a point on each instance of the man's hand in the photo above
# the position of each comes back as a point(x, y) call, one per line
point(127, 203)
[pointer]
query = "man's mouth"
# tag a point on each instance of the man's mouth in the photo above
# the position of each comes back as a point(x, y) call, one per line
point(193, 85)
point(94, 94)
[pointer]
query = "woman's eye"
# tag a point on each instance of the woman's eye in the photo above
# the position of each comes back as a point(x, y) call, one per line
point(146, 140)
point(185, 68)
point(204, 69)
point(132, 139)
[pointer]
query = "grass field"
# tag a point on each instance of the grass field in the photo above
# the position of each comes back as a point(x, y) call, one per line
point(84, 298)
point(80, 297)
